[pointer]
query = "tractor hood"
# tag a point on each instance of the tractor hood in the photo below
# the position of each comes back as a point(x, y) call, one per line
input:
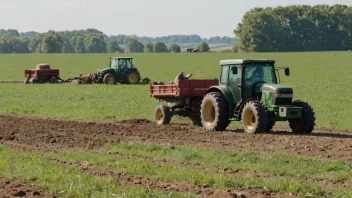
point(107, 70)
point(277, 88)
point(276, 94)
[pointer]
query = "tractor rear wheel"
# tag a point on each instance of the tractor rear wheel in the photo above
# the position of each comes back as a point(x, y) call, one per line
point(162, 115)
point(306, 123)
point(109, 79)
point(214, 112)
point(254, 117)
point(196, 120)
point(132, 77)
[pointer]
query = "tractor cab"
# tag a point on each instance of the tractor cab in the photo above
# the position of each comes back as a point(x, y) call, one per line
point(245, 78)
point(121, 66)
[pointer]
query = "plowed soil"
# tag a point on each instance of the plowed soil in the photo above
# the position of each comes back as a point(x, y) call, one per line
point(9, 189)
point(46, 133)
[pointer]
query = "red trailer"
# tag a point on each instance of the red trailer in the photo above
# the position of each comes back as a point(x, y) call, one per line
point(182, 99)
point(42, 74)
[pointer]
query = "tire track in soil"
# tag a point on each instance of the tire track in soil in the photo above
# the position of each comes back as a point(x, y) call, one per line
point(11, 189)
point(49, 133)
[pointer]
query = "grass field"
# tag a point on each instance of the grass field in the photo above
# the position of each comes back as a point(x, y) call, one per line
point(320, 78)
point(157, 168)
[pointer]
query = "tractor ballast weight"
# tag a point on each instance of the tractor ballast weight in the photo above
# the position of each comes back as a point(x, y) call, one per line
point(121, 70)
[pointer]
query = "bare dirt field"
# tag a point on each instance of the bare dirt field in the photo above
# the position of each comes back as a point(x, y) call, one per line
point(44, 133)
point(27, 132)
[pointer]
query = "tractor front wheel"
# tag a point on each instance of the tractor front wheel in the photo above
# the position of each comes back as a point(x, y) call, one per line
point(162, 115)
point(109, 79)
point(214, 112)
point(132, 77)
point(306, 123)
point(254, 117)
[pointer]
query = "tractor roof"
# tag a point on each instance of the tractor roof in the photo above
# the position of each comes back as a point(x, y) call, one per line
point(243, 61)
point(121, 58)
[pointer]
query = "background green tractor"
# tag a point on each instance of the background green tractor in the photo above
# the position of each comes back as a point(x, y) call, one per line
point(249, 92)
point(121, 70)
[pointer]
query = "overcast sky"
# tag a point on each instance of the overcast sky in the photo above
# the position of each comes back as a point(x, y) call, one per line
point(141, 17)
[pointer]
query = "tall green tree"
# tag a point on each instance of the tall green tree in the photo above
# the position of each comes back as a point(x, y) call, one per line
point(52, 42)
point(203, 47)
point(114, 47)
point(149, 47)
point(133, 46)
point(79, 45)
point(295, 28)
point(94, 44)
point(160, 47)
point(175, 48)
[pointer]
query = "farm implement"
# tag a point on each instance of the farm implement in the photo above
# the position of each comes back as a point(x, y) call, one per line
point(121, 71)
point(248, 91)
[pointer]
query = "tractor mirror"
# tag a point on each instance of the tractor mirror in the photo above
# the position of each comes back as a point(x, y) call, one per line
point(287, 71)
point(234, 70)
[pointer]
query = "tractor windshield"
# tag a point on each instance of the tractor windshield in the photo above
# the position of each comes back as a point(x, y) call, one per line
point(260, 73)
point(113, 63)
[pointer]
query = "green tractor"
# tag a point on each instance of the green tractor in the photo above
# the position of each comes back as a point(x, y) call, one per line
point(249, 92)
point(121, 71)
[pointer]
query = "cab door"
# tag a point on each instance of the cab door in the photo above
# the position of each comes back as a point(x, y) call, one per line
point(234, 82)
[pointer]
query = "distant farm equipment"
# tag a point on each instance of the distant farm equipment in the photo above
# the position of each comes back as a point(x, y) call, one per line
point(121, 70)
point(192, 50)
point(42, 74)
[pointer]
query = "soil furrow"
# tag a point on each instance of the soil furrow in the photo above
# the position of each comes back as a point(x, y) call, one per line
point(9, 189)
point(229, 171)
point(172, 186)
point(55, 133)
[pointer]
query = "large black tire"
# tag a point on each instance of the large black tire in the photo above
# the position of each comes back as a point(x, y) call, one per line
point(132, 77)
point(34, 81)
point(94, 78)
point(254, 117)
point(270, 123)
point(109, 79)
point(214, 112)
point(306, 123)
point(196, 120)
point(53, 80)
point(162, 115)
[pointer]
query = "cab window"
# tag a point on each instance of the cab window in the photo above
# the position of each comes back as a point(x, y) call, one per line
point(224, 74)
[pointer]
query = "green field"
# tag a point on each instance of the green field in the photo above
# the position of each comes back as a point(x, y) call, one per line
point(320, 78)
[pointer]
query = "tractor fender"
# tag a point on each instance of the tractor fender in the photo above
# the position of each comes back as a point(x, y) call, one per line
point(107, 71)
point(228, 95)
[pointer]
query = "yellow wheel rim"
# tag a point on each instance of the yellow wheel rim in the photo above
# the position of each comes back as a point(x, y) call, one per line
point(249, 119)
point(159, 115)
point(133, 78)
point(209, 113)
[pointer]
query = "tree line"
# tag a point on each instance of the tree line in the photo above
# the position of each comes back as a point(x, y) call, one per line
point(95, 41)
point(295, 28)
